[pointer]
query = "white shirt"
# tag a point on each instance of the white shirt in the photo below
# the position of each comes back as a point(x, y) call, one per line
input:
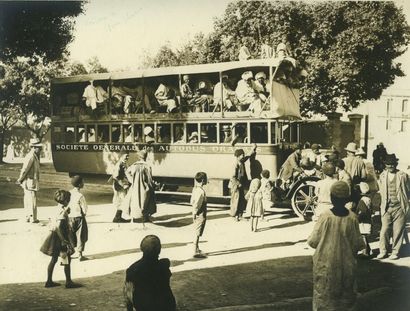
point(77, 203)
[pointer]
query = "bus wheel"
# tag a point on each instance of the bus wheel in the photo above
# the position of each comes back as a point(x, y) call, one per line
point(304, 200)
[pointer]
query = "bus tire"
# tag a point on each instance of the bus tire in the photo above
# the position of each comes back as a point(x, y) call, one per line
point(304, 200)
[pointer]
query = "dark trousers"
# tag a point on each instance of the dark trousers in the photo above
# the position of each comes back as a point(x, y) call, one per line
point(394, 219)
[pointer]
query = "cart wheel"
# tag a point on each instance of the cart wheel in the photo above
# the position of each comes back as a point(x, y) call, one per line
point(304, 200)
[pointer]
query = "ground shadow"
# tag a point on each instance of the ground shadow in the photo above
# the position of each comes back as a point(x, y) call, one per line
point(129, 251)
point(8, 220)
point(285, 225)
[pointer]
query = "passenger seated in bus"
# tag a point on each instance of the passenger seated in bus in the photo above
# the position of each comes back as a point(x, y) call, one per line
point(244, 53)
point(163, 134)
point(202, 99)
point(261, 85)
point(103, 135)
point(91, 135)
point(227, 134)
point(249, 98)
point(166, 98)
point(225, 93)
point(266, 50)
point(193, 138)
point(128, 134)
point(116, 134)
point(149, 135)
point(90, 96)
point(179, 134)
point(240, 134)
point(81, 135)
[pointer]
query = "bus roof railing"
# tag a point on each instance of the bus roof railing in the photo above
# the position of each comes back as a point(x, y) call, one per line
point(176, 70)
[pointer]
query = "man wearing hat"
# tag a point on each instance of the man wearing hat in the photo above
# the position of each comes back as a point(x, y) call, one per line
point(291, 165)
point(354, 165)
point(395, 192)
point(248, 97)
point(261, 86)
point(149, 135)
point(379, 155)
point(29, 180)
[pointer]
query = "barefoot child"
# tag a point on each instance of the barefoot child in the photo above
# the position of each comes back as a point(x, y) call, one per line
point(57, 242)
point(254, 205)
point(198, 202)
point(78, 210)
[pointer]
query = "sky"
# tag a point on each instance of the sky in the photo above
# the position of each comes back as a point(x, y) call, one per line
point(120, 32)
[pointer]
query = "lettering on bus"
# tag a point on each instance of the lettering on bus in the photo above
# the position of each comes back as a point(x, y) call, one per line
point(160, 148)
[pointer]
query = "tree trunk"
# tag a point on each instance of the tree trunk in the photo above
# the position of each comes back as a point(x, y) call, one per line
point(1, 146)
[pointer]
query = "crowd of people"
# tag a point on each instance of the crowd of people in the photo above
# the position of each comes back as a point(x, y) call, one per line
point(343, 216)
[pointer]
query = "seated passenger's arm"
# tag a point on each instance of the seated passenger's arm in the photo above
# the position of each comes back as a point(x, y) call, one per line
point(128, 291)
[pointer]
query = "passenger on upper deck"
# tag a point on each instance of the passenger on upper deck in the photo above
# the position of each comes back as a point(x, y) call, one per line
point(228, 95)
point(266, 49)
point(198, 101)
point(90, 96)
point(261, 85)
point(248, 97)
point(166, 98)
point(244, 53)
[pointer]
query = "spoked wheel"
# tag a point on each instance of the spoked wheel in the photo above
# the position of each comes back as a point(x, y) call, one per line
point(304, 200)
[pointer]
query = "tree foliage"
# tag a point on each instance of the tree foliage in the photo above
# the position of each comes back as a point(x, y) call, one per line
point(348, 48)
point(41, 28)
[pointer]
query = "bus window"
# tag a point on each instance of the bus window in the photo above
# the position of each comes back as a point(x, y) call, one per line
point(127, 133)
point(164, 133)
point(192, 131)
point(274, 139)
point(116, 133)
point(240, 133)
point(259, 133)
point(81, 136)
point(149, 135)
point(225, 133)
point(103, 133)
point(208, 133)
point(138, 133)
point(69, 136)
point(289, 132)
point(91, 133)
point(179, 134)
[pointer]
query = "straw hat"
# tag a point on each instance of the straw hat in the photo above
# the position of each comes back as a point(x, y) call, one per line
point(352, 147)
point(360, 151)
point(148, 130)
point(193, 134)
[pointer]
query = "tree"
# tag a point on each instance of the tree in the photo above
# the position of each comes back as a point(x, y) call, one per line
point(348, 48)
point(41, 28)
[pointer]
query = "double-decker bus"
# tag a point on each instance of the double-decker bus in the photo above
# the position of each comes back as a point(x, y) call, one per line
point(95, 117)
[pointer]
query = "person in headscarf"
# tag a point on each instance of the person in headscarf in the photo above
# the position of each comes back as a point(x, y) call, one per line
point(147, 281)
point(337, 239)
point(140, 199)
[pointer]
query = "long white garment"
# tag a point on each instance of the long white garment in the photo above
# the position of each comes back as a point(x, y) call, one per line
point(337, 241)
point(90, 96)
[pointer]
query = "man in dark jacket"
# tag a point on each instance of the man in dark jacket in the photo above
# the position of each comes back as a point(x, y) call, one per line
point(147, 280)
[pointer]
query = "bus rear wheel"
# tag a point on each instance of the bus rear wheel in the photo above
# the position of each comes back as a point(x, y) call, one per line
point(304, 200)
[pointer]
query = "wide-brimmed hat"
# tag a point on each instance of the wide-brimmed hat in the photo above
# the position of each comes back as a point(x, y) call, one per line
point(34, 142)
point(352, 147)
point(226, 128)
point(260, 75)
point(360, 151)
point(148, 130)
point(391, 159)
point(247, 75)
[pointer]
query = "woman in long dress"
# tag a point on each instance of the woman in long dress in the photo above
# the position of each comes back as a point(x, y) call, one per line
point(337, 239)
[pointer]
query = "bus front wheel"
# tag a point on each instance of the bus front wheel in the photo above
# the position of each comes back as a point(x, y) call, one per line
point(304, 200)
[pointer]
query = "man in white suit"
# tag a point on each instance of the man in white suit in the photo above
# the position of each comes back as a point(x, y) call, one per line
point(29, 180)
